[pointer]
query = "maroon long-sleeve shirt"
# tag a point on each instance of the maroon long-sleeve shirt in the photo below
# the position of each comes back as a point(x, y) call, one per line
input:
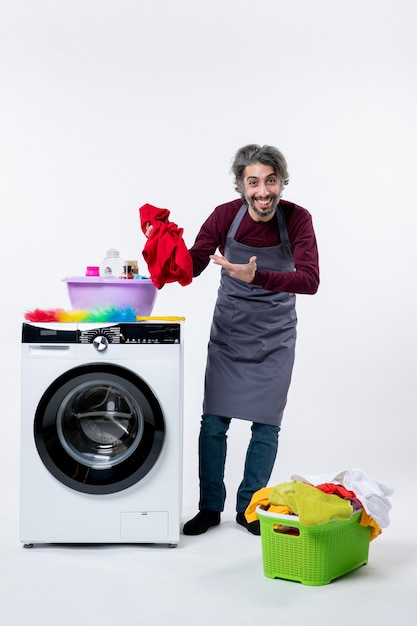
point(212, 236)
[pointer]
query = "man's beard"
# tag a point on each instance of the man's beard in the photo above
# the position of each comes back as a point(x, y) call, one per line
point(268, 212)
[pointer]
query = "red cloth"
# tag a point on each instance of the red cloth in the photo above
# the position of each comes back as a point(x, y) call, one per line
point(165, 252)
point(342, 492)
point(339, 490)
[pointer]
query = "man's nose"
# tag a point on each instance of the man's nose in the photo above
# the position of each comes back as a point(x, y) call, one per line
point(263, 191)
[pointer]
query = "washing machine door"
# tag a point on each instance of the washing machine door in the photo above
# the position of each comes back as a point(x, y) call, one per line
point(99, 428)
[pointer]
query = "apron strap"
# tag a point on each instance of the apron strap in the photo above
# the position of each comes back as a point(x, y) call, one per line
point(282, 226)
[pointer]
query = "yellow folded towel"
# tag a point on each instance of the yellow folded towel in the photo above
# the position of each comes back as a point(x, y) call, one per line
point(312, 505)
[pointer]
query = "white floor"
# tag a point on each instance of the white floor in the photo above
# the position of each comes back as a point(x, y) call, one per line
point(216, 578)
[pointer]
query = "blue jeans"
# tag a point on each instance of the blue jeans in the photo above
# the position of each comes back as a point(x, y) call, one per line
point(260, 459)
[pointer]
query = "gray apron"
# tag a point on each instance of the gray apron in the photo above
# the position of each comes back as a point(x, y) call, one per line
point(252, 338)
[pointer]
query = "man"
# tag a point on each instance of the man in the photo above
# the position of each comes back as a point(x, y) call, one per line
point(268, 253)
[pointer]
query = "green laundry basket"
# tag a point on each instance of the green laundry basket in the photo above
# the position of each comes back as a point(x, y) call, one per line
point(312, 555)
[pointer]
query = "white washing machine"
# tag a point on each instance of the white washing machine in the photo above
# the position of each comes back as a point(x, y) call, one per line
point(101, 433)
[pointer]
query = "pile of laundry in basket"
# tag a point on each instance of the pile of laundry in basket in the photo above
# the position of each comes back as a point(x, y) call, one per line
point(318, 499)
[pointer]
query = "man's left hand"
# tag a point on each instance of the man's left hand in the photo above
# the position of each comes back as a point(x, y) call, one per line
point(243, 271)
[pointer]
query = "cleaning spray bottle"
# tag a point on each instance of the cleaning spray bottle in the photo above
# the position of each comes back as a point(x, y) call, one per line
point(112, 265)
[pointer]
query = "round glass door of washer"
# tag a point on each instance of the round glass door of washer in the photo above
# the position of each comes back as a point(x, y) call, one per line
point(99, 428)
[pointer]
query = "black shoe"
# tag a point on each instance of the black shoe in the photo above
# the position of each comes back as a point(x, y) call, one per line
point(252, 527)
point(200, 524)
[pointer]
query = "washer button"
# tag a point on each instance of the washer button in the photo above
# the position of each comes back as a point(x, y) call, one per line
point(100, 343)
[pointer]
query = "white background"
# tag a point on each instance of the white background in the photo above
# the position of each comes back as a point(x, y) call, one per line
point(106, 105)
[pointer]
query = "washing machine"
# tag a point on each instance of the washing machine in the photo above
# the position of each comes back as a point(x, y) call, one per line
point(101, 433)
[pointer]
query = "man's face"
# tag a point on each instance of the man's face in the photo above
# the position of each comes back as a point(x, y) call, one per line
point(261, 189)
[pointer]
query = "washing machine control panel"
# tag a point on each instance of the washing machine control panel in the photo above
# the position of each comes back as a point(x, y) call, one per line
point(101, 336)
point(131, 334)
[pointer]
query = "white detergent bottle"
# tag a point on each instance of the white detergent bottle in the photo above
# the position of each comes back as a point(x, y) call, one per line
point(112, 265)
